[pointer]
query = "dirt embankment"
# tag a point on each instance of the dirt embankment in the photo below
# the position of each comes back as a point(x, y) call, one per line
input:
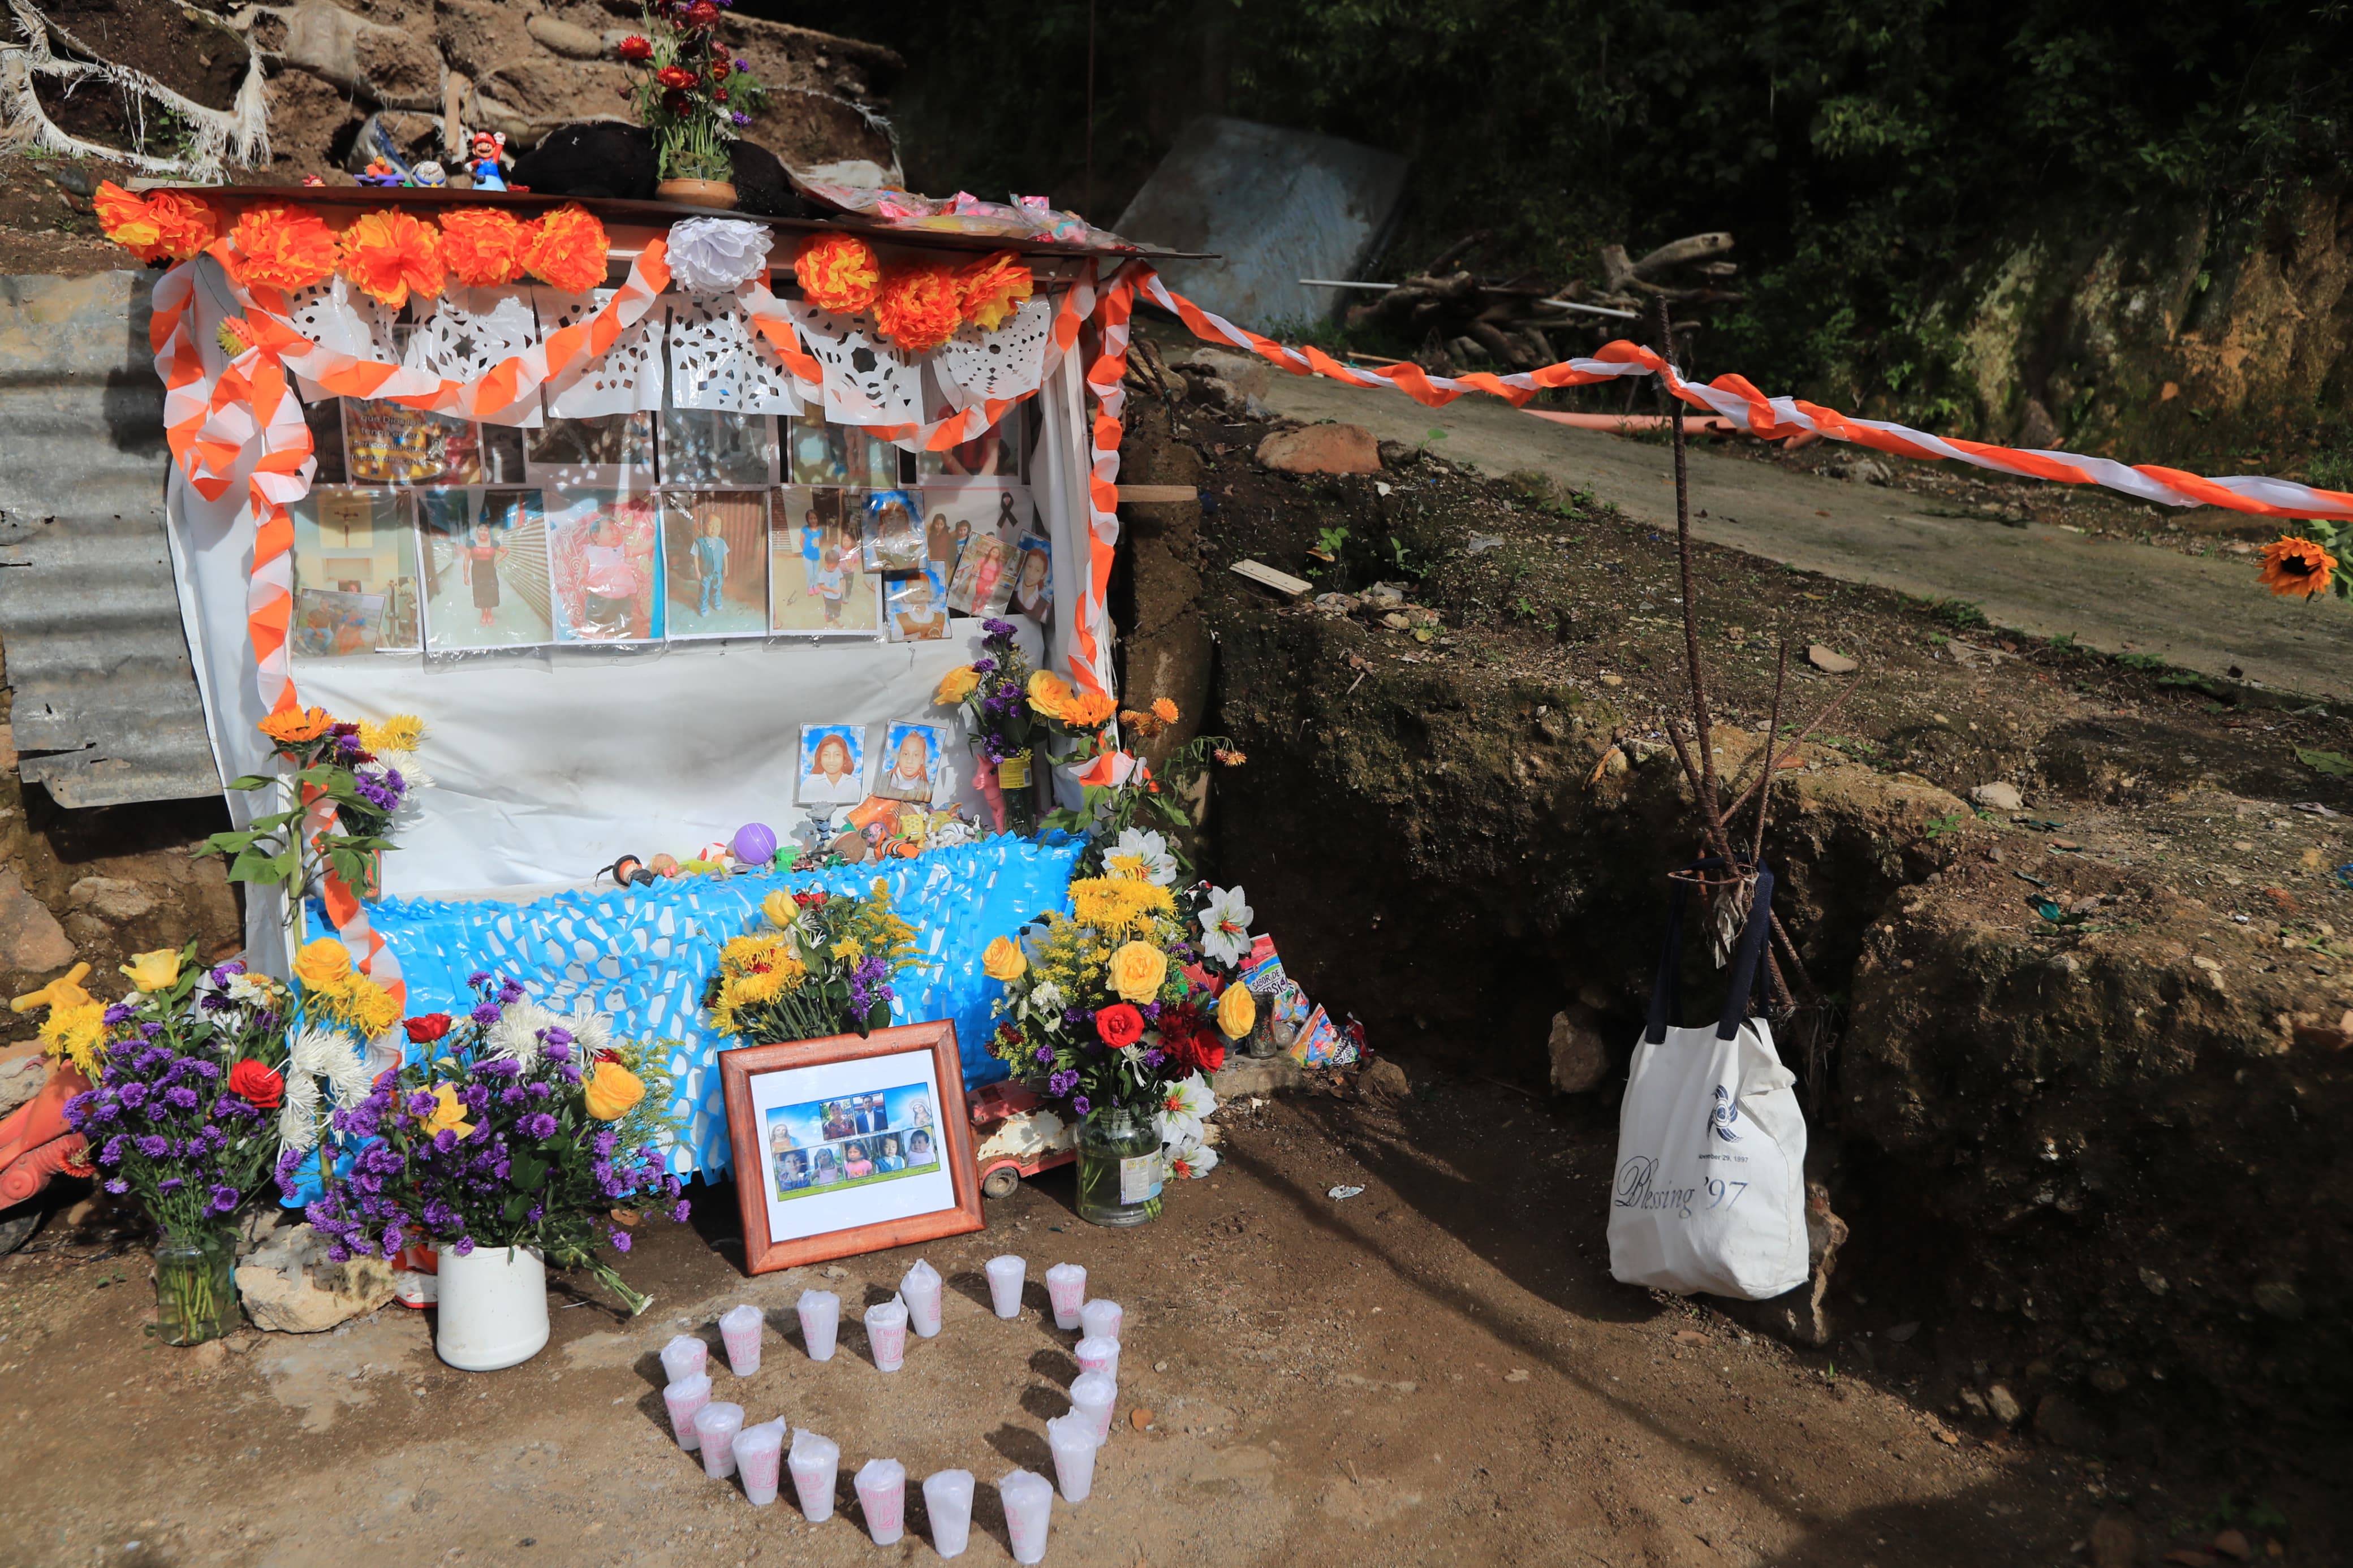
point(2079, 1058)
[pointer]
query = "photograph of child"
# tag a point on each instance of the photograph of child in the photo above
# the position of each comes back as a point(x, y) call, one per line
point(822, 454)
point(915, 606)
point(894, 538)
point(387, 443)
point(606, 566)
point(817, 581)
point(833, 773)
point(995, 453)
point(608, 450)
point(712, 447)
point(715, 562)
point(1033, 581)
point(792, 1171)
point(354, 574)
point(843, 1141)
point(911, 754)
point(983, 579)
point(485, 562)
point(919, 1150)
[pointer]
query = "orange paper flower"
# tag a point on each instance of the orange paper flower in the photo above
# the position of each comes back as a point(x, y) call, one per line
point(483, 245)
point(392, 256)
point(286, 248)
point(919, 307)
point(567, 249)
point(296, 725)
point(166, 225)
point(838, 272)
point(990, 288)
point(2293, 566)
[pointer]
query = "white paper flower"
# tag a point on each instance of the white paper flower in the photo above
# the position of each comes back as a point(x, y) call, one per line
point(717, 254)
point(1225, 926)
point(1190, 1160)
point(1184, 1107)
point(516, 1034)
point(1138, 853)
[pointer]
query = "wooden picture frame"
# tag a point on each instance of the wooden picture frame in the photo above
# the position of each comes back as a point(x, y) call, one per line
point(803, 1090)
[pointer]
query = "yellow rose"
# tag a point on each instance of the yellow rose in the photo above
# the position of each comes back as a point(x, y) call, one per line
point(323, 965)
point(1004, 960)
point(956, 685)
point(1049, 694)
point(613, 1090)
point(780, 909)
point(153, 972)
point(1237, 1011)
point(1137, 970)
point(446, 1113)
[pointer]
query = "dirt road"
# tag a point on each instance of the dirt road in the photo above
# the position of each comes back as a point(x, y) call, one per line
point(2119, 597)
point(1434, 1371)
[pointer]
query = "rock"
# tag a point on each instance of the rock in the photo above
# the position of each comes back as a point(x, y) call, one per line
point(1383, 1079)
point(1140, 1418)
point(289, 1285)
point(2110, 1378)
point(1384, 596)
point(2004, 1405)
point(2037, 432)
point(2278, 1299)
point(1321, 449)
point(23, 1070)
point(1396, 454)
point(1245, 375)
point(1822, 657)
point(1973, 1402)
point(111, 897)
point(1997, 796)
point(2115, 1542)
point(2065, 1423)
point(1580, 1056)
point(2234, 1543)
point(2151, 1280)
point(564, 38)
point(31, 941)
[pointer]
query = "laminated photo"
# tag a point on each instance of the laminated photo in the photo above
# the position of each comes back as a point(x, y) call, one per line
point(818, 583)
point(912, 756)
point(715, 562)
point(606, 451)
point(1033, 581)
point(984, 578)
point(485, 562)
point(387, 443)
point(894, 531)
point(706, 447)
point(817, 453)
point(355, 584)
point(605, 567)
point(915, 606)
point(832, 765)
point(999, 452)
point(852, 1141)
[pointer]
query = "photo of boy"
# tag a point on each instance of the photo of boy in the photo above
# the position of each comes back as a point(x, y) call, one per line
point(792, 1172)
point(713, 550)
point(888, 1157)
point(919, 1150)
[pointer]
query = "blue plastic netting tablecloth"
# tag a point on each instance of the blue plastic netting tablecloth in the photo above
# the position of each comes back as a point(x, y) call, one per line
point(644, 954)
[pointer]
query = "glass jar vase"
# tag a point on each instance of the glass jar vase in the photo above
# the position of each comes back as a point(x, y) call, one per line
point(196, 1289)
point(1119, 1166)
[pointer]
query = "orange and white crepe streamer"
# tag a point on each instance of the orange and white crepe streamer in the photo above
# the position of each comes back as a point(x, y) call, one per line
point(345, 911)
point(1734, 399)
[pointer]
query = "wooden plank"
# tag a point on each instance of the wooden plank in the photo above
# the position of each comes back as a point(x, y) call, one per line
point(1157, 494)
point(1267, 576)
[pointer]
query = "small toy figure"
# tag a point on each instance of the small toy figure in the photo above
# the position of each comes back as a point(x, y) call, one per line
point(663, 865)
point(628, 871)
point(314, 180)
point(429, 174)
point(488, 161)
point(382, 172)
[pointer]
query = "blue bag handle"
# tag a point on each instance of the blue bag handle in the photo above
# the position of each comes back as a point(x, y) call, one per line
point(1666, 1005)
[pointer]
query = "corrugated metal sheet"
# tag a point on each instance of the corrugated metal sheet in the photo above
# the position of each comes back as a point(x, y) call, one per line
point(106, 710)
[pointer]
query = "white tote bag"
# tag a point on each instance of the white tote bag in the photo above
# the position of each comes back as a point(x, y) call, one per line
point(1710, 1192)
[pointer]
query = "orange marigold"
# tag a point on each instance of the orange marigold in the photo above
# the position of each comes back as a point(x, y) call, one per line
point(992, 287)
point(1164, 709)
point(567, 249)
point(2295, 566)
point(285, 248)
point(392, 256)
point(296, 725)
point(166, 225)
point(918, 308)
point(483, 245)
point(839, 272)
point(1088, 711)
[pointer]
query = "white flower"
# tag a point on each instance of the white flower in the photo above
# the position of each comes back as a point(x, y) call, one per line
point(591, 1031)
point(1184, 1107)
point(516, 1034)
point(1190, 1160)
point(298, 1112)
point(1138, 853)
point(1046, 999)
point(257, 989)
point(411, 770)
point(1225, 926)
point(716, 254)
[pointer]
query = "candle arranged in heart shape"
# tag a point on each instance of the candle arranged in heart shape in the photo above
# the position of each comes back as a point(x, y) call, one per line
point(759, 1451)
point(948, 1497)
point(1005, 1284)
point(684, 1357)
point(814, 1462)
point(684, 1397)
point(921, 1290)
point(886, 1333)
point(715, 1426)
point(1029, 1500)
point(1098, 1355)
point(820, 1317)
point(882, 1497)
point(1092, 1394)
point(740, 1328)
point(1072, 1439)
point(1066, 1288)
point(1100, 1319)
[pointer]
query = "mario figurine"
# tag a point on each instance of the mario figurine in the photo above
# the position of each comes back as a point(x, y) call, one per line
point(488, 161)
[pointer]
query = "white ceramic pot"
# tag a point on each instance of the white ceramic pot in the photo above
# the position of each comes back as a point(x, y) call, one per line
point(494, 1308)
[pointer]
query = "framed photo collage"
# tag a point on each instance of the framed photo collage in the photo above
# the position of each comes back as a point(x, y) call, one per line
point(426, 533)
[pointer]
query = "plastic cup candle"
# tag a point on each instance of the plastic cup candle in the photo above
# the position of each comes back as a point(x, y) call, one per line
point(820, 1316)
point(882, 1497)
point(1005, 1284)
point(948, 1497)
point(813, 1462)
point(684, 1357)
point(1091, 1395)
point(1100, 1319)
point(1029, 1500)
point(886, 1331)
point(1098, 1355)
point(1072, 1439)
point(759, 1454)
point(740, 1327)
point(920, 1288)
point(1066, 1287)
point(715, 1426)
point(684, 1396)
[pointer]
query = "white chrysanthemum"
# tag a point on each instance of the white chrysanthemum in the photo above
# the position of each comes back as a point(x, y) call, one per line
point(591, 1031)
point(1139, 853)
point(256, 990)
point(413, 777)
point(298, 1112)
point(516, 1034)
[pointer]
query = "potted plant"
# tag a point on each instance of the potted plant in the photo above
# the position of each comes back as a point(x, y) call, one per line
point(824, 967)
point(1108, 1013)
point(694, 95)
point(515, 1138)
point(185, 1074)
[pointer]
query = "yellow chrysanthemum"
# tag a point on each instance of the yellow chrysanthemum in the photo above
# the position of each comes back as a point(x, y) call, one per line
point(75, 1034)
point(401, 733)
point(1117, 905)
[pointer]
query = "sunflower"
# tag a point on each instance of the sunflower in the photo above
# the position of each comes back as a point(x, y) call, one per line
point(2294, 565)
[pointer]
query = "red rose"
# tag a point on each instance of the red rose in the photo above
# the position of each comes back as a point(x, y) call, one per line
point(636, 48)
point(428, 1028)
point(1119, 1025)
point(260, 1087)
point(675, 75)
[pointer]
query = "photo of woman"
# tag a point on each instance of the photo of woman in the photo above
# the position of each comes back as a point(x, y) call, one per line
point(833, 773)
point(1033, 587)
point(485, 565)
point(792, 1172)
